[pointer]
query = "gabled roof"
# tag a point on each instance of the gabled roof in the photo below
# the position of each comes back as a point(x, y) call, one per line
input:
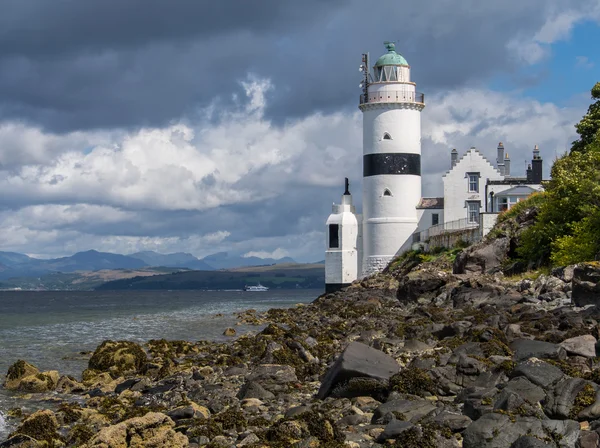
point(427, 203)
point(476, 151)
point(521, 190)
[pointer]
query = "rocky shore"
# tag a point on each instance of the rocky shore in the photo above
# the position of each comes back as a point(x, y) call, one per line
point(440, 350)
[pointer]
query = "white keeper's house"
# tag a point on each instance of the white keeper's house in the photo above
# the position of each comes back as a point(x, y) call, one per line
point(394, 213)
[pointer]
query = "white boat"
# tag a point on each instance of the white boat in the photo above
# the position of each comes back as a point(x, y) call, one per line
point(258, 287)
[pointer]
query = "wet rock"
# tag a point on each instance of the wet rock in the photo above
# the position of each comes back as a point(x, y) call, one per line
point(26, 377)
point(229, 332)
point(41, 426)
point(527, 348)
point(586, 285)
point(69, 385)
point(118, 357)
point(421, 284)
point(21, 441)
point(588, 439)
point(152, 430)
point(358, 360)
point(581, 345)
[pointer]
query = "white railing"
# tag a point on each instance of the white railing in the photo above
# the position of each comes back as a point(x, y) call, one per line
point(399, 96)
point(447, 227)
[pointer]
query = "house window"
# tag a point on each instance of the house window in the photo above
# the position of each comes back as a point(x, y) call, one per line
point(334, 236)
point(387, 192)
point(435, 219)
point(473, 212)
point(473, 182)
point(387, 136)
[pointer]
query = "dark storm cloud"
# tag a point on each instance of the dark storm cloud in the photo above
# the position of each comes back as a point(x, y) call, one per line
point(74, 64)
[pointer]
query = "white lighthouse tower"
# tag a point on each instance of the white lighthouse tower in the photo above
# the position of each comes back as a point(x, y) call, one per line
point(391, 109)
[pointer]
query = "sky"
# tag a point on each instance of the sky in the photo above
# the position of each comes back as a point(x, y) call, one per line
point(208, 126)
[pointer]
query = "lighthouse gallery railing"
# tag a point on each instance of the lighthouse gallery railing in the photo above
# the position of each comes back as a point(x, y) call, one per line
point(393, 97)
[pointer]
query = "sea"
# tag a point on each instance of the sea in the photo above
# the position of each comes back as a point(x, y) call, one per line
point(51, 329)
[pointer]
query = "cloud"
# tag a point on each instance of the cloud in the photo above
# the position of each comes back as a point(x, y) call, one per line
point(584, 62)
point(148, 63)
point(238, 183)
point(276, 254)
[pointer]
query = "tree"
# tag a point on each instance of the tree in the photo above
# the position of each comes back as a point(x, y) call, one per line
point(589, 126)
point(567, 229)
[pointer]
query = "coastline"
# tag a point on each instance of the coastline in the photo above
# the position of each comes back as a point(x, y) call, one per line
point(429, 358)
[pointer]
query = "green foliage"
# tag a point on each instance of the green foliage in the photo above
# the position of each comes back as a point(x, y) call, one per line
point(534, 200)
point(589, 125)
point(567, 226)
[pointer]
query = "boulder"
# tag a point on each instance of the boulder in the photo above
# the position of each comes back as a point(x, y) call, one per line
point(252, 389)
point(21, 441)
point(572, 398)
point(152, 430)
point(229, 332)
point(483, 258)
point(420, 284)
point(581, 345)
point(25, 377)
point(532, 442)
point(118, 357)
point(357, 360)
point(42, 426)
point(17, 372)
point(586, 286)
point(527, 348)
point(498, 431)
point(393, 429)
point(411, 410)
point(538, 372)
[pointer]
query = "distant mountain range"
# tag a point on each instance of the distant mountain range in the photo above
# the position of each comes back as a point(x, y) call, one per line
point(14, 264)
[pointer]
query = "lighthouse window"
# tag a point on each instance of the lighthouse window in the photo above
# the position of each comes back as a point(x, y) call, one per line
point(334, 236)
point(387, 136)
point(387, 192)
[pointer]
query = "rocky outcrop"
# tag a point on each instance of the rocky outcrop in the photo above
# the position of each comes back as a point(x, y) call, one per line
point(39, 429)
point(414, 357)
point(586, 284)
point(25, 377)
point(117, 358)
point(153, 430)
point(358, 361)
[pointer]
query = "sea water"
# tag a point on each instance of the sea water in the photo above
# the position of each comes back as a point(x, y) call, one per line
point(52, 329)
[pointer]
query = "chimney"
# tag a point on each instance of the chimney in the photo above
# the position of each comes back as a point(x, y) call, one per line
point(506, 165)
point(529, 174)
point(500, 158)
point(536, 166)
point(453, 158)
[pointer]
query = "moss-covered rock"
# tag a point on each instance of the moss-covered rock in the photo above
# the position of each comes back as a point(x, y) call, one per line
point(26, 377)
point(413, 381)
point(152, 430)
point(41, 426)
point(118, 358)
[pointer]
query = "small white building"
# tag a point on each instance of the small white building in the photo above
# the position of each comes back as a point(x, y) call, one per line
point(394, 213)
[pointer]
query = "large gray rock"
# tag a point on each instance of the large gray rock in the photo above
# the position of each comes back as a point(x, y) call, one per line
point(422, 284)
point(412, 410)
point(560, 401)
point(581, 345)
point(531, 442)
point(538, 372)
point(586, 285)
point(485, 257)
point(498, 431)
point(357, 360)
point(393, 429)
point(527, 348)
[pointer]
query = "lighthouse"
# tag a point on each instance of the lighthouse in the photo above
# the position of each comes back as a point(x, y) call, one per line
point(391, 109)
point(360, 245)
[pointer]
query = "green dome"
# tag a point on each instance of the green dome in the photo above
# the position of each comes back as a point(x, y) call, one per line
point(391, 57)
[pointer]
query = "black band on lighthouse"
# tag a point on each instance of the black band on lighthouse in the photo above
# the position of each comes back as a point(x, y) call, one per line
point(391, 163)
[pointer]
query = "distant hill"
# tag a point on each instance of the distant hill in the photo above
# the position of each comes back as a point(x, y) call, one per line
point(284, 276)
point(178, 259)
point(16, 265)
point(222, 260)
point(13, 258)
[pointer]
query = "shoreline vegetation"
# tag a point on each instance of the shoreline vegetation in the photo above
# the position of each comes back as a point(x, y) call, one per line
point(494, 345)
